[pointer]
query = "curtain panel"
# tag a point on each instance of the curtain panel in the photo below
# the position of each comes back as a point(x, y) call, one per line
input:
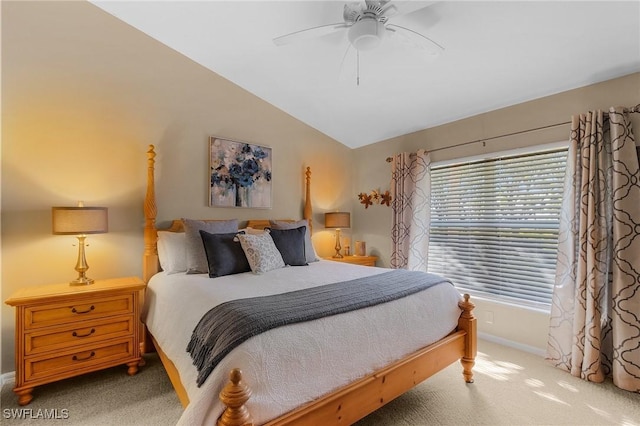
point(411, 205)
point(595, 313)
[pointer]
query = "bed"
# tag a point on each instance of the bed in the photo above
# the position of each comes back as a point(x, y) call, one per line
point(331, 370)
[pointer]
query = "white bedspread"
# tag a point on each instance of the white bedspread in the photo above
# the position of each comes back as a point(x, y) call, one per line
point(288, 366)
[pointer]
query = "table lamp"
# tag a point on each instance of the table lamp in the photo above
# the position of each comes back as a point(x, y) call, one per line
point(337, 220)
point(79, 221)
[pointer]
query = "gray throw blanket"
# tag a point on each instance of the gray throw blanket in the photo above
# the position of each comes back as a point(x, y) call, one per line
point(227, 325)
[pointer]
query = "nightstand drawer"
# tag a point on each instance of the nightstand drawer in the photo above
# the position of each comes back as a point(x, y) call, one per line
point(84, 332)
point(84, 358)
point(80, 309)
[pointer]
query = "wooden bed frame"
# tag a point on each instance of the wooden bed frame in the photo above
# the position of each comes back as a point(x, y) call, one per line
point(343, 406)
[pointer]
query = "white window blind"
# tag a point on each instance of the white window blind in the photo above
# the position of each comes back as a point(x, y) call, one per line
point(494, 224)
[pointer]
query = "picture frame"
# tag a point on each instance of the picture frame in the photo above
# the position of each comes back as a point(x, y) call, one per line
point(240, 174)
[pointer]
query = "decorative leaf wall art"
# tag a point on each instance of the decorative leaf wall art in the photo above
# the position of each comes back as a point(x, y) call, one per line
point(375, 197)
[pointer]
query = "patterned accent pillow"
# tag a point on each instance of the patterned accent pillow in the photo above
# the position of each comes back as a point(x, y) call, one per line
point(196, 257)
point(261, 252)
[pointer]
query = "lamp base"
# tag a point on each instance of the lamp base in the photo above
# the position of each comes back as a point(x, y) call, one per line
point(337, 247)
point(82, 280)
point(81, 265)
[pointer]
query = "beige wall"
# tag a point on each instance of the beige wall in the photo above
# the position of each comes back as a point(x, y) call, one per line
point(83, 95)
point(373, 225)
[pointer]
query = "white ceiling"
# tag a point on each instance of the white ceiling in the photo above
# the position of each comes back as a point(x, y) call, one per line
point(496, 54)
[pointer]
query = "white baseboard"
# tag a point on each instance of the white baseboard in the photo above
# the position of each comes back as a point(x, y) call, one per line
point(8, 378)
point(510, 343)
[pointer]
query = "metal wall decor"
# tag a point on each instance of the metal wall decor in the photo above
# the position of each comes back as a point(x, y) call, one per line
point(375, 197)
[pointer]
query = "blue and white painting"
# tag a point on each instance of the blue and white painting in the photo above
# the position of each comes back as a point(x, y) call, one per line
point(240, 174)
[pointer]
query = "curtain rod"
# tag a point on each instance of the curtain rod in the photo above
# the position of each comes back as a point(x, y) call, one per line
point(390, 159)
point(635, 109)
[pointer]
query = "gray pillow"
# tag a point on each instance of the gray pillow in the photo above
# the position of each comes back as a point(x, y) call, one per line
point(196, 256)
point(291, 245)
point(309, 251)
point(224, 254)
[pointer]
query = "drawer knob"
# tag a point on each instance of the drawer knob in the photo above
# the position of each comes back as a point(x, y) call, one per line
point(91, 355)
point(75, 311)
point(75, 333)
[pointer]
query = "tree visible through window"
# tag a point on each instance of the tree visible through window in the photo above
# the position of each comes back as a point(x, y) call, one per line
point(494, 224)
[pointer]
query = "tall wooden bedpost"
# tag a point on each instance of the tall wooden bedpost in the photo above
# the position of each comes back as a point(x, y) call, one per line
point(150, 261)
point(150, 256)
point(308, 214)
point(467, 322)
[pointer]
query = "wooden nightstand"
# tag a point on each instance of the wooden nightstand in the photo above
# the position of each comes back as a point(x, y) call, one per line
point(356, 260)
point(64, 331)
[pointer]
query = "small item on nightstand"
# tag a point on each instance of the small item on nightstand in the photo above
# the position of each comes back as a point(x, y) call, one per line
point(347, 250)
point(361, 249)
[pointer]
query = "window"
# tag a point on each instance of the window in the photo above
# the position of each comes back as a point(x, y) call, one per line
point(494, 224)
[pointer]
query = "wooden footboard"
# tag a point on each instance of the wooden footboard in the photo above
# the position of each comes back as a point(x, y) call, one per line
point(358, 399)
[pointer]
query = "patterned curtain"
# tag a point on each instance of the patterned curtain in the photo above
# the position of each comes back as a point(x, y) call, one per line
point(411, 186)
point(595, 314)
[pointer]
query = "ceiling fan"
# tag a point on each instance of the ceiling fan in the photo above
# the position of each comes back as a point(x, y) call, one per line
point(367, 24)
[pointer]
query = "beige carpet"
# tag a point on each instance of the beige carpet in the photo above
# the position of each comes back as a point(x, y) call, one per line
point(108, 397)
point(511, 388)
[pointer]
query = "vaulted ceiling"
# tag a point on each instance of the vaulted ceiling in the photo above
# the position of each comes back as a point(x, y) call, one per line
point(495, 54)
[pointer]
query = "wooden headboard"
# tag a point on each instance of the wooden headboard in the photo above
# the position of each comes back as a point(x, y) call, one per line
point(150, 264)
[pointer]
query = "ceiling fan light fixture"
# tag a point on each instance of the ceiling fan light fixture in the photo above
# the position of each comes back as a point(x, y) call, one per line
point(366, 33)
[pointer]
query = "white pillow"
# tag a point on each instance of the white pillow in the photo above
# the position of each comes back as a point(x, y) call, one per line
point(261, 252)
point(172, 251)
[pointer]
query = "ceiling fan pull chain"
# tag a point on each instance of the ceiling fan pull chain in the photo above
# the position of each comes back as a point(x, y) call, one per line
point(358, 67)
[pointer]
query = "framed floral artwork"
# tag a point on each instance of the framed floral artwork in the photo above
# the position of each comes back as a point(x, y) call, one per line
point(240, 174)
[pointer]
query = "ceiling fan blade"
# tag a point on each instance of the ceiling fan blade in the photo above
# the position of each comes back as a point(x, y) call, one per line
point(309, 33)
point(389, 10)
point(415, 39)
point(407, 7)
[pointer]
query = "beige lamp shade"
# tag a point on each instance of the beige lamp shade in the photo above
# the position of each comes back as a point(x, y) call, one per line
point(337, 220)
point(79, 220)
